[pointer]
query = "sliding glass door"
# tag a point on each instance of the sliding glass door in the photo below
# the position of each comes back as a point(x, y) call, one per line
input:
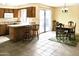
point(48, 20)
point(42, 21)
point(45, 20)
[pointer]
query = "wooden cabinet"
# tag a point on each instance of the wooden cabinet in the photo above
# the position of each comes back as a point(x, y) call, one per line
point(15, 13)
point(1, 13)
point(31, 12)
point(17, 33)
point(8, 10)
point(2, 29)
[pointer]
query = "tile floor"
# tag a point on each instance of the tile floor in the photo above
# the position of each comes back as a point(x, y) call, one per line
point(41, 47)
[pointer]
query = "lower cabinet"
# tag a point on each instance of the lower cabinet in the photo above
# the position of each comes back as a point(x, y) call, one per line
point(16, 33)
point(4, 29)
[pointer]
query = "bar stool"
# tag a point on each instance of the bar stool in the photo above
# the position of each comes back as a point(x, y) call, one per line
point(35, 29)
point(28, 35)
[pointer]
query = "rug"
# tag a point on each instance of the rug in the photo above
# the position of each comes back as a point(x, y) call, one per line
point(67, 42)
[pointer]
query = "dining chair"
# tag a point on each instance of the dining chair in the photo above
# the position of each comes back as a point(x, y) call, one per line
point(59, 31)
point(72, 33)
point(57, 23)
point(70, 23)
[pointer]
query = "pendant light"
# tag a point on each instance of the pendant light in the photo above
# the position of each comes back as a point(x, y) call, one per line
point(65, 9)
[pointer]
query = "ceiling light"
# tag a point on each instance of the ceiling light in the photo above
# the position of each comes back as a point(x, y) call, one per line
point(65, 9)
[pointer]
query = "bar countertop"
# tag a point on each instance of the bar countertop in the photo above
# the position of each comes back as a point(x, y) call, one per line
point(19, 25)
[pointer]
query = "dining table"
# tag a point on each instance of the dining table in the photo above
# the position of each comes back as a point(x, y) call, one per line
point(66, 30)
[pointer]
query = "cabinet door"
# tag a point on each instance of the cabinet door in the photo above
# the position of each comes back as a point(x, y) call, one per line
point(2, 29)
point(31, 12)
point(1, 13)
point(15, 13)
point(8, 10)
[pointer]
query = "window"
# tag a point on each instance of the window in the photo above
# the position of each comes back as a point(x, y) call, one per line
point(23, 16)
point(8, 15)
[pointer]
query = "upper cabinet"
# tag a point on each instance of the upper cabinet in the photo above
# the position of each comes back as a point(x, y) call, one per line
point(15, 13)
point(4, 10)
point(31, 12)
point(1, 13)
point(8, 10)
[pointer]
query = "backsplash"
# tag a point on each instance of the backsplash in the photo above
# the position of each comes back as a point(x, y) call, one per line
point(8, 21)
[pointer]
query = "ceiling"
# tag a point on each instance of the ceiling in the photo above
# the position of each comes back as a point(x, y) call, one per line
point(55, 3)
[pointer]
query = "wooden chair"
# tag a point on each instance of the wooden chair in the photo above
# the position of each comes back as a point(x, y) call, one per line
point(59, 31)
point(27, 34)
point(70, 23)
point(57, 23)
point(35, 29)
point(72, 33)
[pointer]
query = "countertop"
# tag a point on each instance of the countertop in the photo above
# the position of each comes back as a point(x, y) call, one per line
point(20, 25)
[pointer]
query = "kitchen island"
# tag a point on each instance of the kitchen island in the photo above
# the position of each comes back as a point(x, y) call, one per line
point(20, 31)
